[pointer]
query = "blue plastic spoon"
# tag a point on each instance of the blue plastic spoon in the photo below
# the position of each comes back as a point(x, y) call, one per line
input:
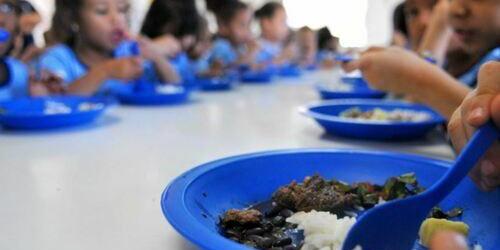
point(394, 225)
point(345, 58)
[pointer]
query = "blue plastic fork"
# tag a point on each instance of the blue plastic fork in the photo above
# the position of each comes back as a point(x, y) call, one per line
point(394, 225)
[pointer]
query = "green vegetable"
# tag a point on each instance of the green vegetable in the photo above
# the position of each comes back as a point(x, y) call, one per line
point(438, 213)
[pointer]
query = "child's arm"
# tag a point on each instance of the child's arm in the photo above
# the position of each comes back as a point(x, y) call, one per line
point(480, 106)
point(438, 34)
point(401, 72)
point(157, 54)
point(127, 68)
point(250, 55)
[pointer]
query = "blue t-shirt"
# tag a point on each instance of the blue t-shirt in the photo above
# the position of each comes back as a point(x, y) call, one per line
point(223, 50)
point(470, 77)
point(17, 82)
point(62, 61)
point(268, 51)
point(182, 65)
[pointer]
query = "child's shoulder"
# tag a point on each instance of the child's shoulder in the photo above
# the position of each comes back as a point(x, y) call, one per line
point(60, 51)
point(221, 43)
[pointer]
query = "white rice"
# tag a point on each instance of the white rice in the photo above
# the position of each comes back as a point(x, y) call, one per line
point(340, 87)
point(54, 108)
point(169, 89)
point(322, 230)
point(397, 115)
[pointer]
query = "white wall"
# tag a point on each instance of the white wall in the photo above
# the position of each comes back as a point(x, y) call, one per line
point(358, 23)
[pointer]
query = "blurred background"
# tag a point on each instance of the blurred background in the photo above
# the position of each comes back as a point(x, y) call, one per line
point(358, 23)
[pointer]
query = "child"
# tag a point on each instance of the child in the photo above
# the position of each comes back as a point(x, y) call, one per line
point(399, 30)
point(25, 49)
point(274, 32)
point(91, 56)
point(176, 22)
point(476, 25)
point(327, 48)
point(307, 47)
point(400, 72)
point(479, 107)
point(13, 73)
point(199, 54)
point(234, 46)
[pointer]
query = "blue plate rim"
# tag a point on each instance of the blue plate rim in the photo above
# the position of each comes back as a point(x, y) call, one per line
point(366, 91)
point(183, 182)
point(93, 99)
point(306, 111)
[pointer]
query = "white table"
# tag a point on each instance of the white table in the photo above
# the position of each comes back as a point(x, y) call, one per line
point(99, 187)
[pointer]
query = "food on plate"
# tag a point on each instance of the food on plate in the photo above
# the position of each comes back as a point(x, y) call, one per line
point(316, 213)
point(381, 115)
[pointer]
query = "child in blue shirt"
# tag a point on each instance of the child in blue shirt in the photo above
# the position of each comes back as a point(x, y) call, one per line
point(13, 73)
point(174, 22)
point(234, 46)
point(92, 56)
point(274, 32)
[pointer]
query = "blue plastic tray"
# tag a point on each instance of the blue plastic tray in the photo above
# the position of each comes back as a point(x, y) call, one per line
point(152, 98)
point(193, 202)
point(28, 113)
point(327, 115)
point(358, 91)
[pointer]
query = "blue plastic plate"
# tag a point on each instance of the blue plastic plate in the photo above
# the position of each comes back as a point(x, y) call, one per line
point(152, 98)
point(214, 84)
point(290, 71)
point(28, 113)
point(263, 76)
point(193, 202)
point(358, 91)
point(327, 115)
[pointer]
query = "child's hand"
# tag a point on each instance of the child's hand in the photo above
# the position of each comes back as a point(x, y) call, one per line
point(160, 48)
point(127, 68)
point(391, 69)
point(478, 107)
point(253, 46)
point(448, 240)
point(47, 84)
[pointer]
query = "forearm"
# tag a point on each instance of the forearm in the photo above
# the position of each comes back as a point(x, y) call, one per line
point(88, 84)
point(166, 71)
point(436, 88)
point(436, 40)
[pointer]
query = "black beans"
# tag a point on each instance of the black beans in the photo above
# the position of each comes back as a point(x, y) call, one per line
point(283, 242)
point(278, 221)
point(255, 231)
point(261, 242)
point(286, 213)
point(275, 210)
point(233, 233)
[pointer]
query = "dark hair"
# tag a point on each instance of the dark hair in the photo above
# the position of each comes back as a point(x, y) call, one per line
point(12, 5)
point(268, 10)
point(26, 7)
point(176, 17)
point(399, 19)
point(66, 16)
point(324, 37)
point(225, 10)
